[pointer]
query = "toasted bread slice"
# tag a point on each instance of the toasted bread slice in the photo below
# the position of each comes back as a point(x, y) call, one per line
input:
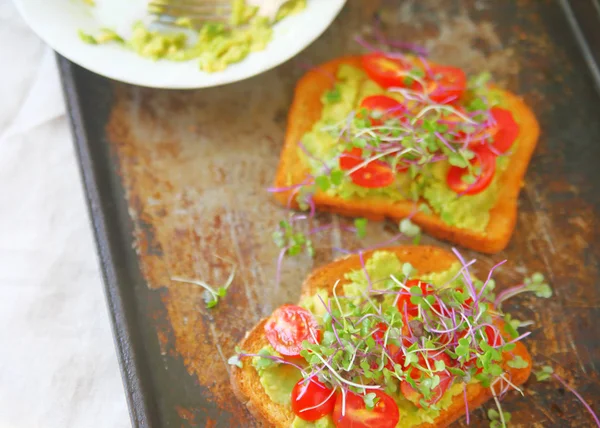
point(306, 110)
point(246, 382)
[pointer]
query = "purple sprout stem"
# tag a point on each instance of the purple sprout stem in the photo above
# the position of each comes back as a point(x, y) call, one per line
point(521, 337)
point(443, 140)
point(280, 258)
point(489, 277)
point(466, 275)
point(579, 397)
point(320, 229)
point(507, 294)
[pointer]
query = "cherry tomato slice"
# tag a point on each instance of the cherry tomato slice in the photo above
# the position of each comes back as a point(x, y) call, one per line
point(492, 336)
point(404, 296)
point(446, 84)
point(312, 399)
point(505, 131)
point(387, 107)
point(394, 351)
point(373, 176)
point(350, 159)
point(486, 161)
point(386, 71)
point(384, 414)
point(288, 327)
point(379, 333)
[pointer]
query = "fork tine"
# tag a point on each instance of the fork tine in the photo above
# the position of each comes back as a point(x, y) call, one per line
point(168, 11)
point(191, 6)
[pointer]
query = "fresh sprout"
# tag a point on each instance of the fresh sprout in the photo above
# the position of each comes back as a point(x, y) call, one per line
point(544, 373)
point(211, 294)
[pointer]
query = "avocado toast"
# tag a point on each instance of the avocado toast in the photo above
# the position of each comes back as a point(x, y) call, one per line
point(455, 166)
point(447, 350)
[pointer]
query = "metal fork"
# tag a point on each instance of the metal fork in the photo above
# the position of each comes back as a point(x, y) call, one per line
point(196, 12)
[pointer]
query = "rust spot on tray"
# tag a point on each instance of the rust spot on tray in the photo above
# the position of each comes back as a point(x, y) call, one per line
point(195, 166)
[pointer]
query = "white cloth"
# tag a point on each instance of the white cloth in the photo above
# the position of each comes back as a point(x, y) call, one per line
point(58, 366)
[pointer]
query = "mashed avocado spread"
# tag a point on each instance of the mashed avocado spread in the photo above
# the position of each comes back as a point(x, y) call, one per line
point(216, 45)
point(322, 142)
point(278, 380)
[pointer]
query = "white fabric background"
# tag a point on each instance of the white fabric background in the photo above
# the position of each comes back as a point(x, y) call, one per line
point(58, 366)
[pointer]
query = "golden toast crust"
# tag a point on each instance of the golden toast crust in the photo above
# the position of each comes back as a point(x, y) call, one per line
point(426, 259)
point(306, 110)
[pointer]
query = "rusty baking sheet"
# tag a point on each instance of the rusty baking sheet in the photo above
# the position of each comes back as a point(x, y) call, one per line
point(176, 181)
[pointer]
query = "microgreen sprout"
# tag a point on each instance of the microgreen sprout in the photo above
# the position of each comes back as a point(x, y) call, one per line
point(535, 284)
point(408, 228)
point(361, 227)
point(543, 373)
point(211, 294)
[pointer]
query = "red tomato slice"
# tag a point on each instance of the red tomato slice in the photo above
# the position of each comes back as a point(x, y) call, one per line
point(312, 399)
point(288, 327)
point(350, 159)
point(446, 84)
point(386, 71)
point(404, 297)
point(385, 414)
point(373, 176)
point(379, 333)
point(492, 336)
point(506, 129)
point(388, 107)
point(394, 351)
point(486, 160)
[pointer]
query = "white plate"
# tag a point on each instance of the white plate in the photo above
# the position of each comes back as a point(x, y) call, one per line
point(58, 21)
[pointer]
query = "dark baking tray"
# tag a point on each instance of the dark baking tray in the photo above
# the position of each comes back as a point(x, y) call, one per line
point(559, 44)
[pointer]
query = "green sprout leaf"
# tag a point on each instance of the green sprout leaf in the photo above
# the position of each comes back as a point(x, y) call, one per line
point(361, 227)
point(544, 373)
point(235, 361)
point(370, 400)
point(407, 269)
point(536, 284)
point(518, 363)
point(463, 347)
point(323, 182)
point(336, 177)
point(457, 159)
point(408, 228)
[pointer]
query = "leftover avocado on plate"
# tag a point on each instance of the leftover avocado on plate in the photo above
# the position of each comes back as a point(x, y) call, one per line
point(215, 45)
